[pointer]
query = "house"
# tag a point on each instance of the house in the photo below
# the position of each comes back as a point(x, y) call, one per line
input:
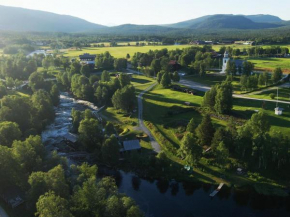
point(131, 145)
point(175, 66)
point(88, 59)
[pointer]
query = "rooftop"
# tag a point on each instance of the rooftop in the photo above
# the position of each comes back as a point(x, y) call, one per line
point(131, 145)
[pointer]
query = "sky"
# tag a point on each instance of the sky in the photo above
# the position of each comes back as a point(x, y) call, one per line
point(116, 12)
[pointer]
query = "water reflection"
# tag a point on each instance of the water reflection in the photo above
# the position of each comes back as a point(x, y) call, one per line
point(136, 182)
point(174, 188)
point(190, 187)
point(162, 186)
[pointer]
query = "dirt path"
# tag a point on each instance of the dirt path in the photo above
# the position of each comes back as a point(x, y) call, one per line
point(155, 145)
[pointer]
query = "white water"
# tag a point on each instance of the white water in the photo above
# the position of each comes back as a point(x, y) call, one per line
point(54, 133)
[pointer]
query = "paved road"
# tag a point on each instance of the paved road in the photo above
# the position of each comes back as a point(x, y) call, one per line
point(155, 145)
point(204, 88)
point(3, 213)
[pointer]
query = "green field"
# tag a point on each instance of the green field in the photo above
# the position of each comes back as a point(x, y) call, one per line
point(269, 64)
point(119, 52)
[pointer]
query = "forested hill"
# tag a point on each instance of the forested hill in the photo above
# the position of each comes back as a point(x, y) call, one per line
point(264, 18)
point(20, 19)
point(222, 21)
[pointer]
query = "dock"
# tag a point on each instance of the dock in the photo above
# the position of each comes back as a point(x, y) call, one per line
point(217, 190)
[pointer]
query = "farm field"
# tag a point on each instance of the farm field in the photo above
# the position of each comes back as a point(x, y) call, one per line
point(119, 52)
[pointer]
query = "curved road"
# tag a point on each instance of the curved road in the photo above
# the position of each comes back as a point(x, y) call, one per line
point(155, 145)
point(204, 88)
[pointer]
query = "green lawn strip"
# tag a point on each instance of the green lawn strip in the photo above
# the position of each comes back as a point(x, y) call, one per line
point(284, 94)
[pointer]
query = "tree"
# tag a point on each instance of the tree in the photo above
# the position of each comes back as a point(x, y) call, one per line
point(277, 75)
point(124, 98)
point(36, 81)
point(54, 93)
point(110, 150)
point(259, 123)
point(175, 77)
point(248, 68)
point(205, 131)
point(222, 153)
point(272, 95)
point(155, 66)
point(86, 70)
point(159, 76)
point(120, 64)
point(9, 131)
point(128, 55)
point(105, 77)
point(81, 87)
point(109, 128)
point(29, 153)
point(42, 103)
point(189, 149)
point(42, 182)
point(231, 68)
point(209, 97)
point(10, 173)
point(191, 126)
point(51, 205)
point(224, 98)
point(124, 79)
point(90, 134)
point(166, 80)
point(3, 91)
point(201, 70)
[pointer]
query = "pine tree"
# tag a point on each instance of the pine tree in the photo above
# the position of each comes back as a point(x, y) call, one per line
point(205, 131)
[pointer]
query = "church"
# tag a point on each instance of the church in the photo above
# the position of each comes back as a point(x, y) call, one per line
point(239, 63)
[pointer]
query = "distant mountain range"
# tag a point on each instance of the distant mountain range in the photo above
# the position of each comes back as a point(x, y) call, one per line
point(228, 21)
point(20, 19)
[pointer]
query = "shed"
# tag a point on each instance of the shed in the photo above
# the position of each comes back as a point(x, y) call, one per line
point(13, 196)
point(278, 111)
point(131, 145)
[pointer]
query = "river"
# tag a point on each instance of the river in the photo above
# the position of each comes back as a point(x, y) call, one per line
point(171, 199)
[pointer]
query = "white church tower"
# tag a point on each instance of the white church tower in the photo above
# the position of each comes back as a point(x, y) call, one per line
point(225, 61)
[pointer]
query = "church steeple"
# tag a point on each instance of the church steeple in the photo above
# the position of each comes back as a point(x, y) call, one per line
point(226, 55)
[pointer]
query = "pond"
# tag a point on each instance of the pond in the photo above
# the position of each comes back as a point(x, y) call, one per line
point(159, 198)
